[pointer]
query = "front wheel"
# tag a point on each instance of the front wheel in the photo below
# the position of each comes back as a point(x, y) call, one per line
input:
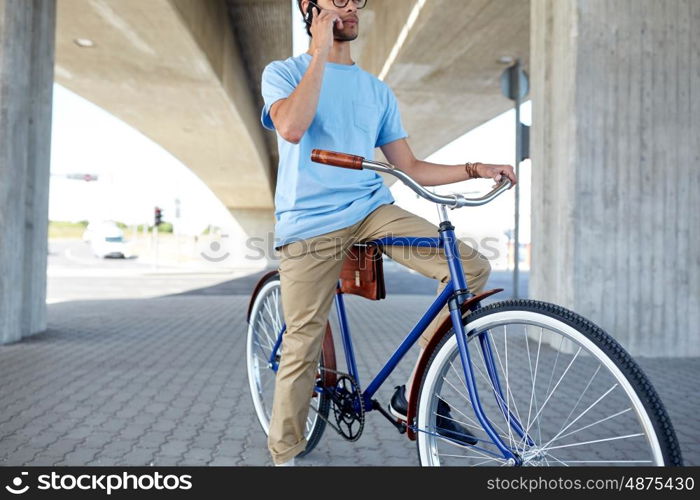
point(559, 392)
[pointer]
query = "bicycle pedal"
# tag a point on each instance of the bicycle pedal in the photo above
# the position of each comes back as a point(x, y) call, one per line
point(400, 425)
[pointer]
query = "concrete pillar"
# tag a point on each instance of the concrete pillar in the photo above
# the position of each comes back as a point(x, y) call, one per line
point(255, 243)
point(27, 30)
point(616, 167)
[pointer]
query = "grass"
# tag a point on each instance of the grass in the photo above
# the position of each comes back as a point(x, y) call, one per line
point(75, 230)
point(62, 229)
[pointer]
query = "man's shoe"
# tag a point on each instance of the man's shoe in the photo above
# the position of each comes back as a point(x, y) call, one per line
point(448, 428)
point(398, 406)
point(288, 463)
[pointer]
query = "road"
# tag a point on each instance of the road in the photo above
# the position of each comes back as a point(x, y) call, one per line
point(74, 273)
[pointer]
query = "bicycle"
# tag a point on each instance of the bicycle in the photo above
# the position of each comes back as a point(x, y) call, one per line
point(535, 383)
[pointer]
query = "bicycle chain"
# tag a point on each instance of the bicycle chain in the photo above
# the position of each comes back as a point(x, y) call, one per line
point(360, 418)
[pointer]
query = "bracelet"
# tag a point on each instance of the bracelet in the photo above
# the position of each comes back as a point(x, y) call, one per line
point(470, 169)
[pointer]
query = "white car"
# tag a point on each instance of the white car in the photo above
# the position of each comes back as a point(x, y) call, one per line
point(96, 228)
point(109, 244)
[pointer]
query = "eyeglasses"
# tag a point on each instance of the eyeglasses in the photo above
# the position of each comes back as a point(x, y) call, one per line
point(359, 4)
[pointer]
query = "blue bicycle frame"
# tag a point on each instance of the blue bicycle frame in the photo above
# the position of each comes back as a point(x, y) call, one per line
point(453, 295)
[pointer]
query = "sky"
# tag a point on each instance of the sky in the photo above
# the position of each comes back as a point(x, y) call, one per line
point(135, 174)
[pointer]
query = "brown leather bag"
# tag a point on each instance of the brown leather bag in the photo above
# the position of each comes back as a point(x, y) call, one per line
point(363, 273)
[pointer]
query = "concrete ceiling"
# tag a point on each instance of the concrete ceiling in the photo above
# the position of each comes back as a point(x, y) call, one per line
point(447, 72)
point(250, 19)
point(173, 69)
point(186, 73)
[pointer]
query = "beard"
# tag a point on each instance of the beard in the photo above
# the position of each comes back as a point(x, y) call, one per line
point(345, 36)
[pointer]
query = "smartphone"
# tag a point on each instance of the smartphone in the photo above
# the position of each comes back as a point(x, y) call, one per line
point(310, 13)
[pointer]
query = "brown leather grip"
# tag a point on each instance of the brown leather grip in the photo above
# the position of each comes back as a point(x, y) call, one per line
point(337, 159)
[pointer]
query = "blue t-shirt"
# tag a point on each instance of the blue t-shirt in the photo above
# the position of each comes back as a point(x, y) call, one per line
point(356, 113)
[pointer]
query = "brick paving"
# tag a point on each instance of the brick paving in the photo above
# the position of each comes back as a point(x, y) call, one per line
point(163, 381)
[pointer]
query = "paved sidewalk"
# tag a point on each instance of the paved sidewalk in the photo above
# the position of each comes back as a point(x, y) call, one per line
point(162, 381)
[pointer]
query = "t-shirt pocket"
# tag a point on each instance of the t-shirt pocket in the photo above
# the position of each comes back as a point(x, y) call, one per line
point(366, 117)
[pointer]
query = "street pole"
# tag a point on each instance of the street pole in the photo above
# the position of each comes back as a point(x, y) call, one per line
point(515, 86)
point(518, 152)
point(176, 228)
point(155, 237)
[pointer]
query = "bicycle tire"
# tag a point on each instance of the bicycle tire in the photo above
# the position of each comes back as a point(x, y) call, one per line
point(646, 404)
point(257, 366)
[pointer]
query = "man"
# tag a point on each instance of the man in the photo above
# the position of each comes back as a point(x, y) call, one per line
point(322, 100)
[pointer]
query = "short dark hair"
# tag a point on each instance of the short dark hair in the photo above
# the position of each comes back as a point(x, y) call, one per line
point(303, 14)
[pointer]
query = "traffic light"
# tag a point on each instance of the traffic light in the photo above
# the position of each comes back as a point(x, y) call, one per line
point(158, 216)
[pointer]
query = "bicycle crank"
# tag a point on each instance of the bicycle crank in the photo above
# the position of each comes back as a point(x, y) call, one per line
point(348, 407)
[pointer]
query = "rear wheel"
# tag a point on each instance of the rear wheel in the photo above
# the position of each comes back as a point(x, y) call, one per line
point(265, 324)
point(576, 392)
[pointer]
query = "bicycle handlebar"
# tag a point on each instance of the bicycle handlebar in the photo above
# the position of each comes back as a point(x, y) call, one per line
point(455, 200)
point(337, 159)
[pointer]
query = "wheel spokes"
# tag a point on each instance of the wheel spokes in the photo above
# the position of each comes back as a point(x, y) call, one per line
point(573, 423)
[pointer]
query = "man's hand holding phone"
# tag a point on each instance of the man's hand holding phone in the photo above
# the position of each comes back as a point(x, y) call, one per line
point(322, 24)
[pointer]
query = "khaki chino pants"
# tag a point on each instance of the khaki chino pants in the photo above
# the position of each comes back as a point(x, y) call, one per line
point(309, 271)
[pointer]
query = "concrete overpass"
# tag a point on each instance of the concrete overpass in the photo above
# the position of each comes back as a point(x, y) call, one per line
point(186, 73)
point(615, 124)
point(178, 71)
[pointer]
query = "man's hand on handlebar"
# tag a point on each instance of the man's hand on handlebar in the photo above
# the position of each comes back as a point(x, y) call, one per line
point(496, 172)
